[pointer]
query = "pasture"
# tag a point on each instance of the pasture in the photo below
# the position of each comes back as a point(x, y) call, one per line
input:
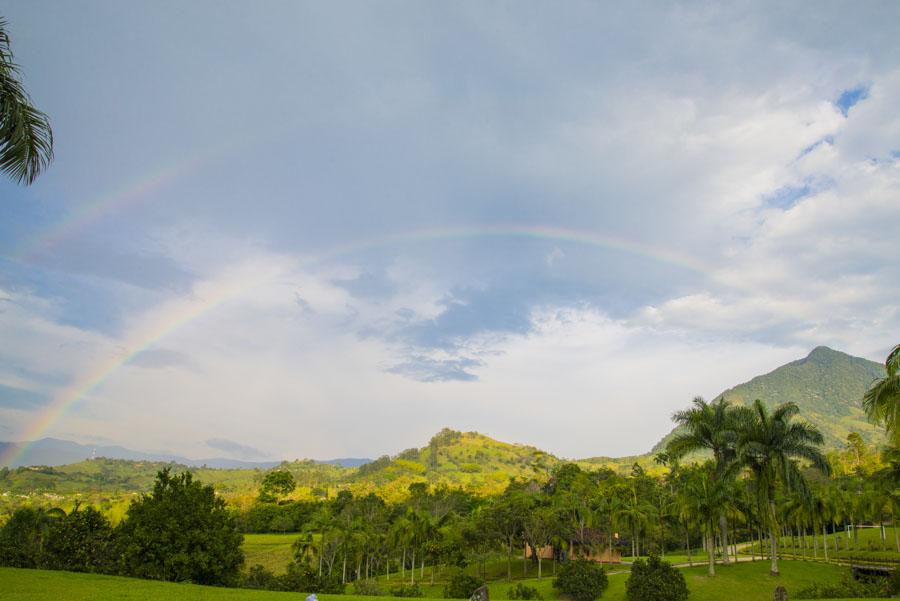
point(747, 581)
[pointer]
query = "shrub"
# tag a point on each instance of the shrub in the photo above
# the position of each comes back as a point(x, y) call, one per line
point(260, 578)
point(22, 538)
point(82, 541)
point(462, 585)
point(303, 578)
point(655, 580)
point(582, 580)
point(183, 532)
point(368, 588)
point(524, 592)
point(406, 590)
point(847, 588)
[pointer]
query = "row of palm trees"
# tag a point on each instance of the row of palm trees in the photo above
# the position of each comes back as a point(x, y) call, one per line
point(766, 483)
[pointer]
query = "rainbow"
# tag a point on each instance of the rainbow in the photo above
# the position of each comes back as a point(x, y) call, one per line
point(207, 297)
point(89, 213)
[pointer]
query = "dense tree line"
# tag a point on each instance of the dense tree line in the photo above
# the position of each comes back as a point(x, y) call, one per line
point(181, 531)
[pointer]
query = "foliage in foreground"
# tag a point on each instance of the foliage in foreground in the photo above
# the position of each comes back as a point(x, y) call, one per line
point(582, 580)
point(865, 588)
point(182, 532)
point(655, 580)
point(462, 585)
point(524, 592)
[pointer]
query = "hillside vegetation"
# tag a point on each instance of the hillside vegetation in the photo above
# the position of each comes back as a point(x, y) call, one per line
point(827, 386)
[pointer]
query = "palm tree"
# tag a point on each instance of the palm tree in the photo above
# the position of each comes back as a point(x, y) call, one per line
point(26, 140)
point(707, 497)
point(710, 427)
point(770, 445)
point(882, 401)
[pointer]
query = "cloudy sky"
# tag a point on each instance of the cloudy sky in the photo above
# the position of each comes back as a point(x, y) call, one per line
point(330, 229)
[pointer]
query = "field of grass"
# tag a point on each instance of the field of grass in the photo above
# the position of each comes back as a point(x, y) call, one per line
point(868, 547)
point(747, 582)
point(270, 550)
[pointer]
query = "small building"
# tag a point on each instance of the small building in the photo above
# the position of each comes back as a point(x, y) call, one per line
point(594, 547)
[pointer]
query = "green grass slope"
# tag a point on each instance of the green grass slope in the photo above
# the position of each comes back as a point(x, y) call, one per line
point(746, 581)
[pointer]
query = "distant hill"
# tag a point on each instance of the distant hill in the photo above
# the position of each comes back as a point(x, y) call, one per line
point(54, 452)
point(827, 386)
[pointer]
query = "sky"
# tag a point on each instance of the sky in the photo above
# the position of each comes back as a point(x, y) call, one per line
point(299, 229)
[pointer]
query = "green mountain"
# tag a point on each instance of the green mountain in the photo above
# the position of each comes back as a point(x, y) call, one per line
point(827, 386)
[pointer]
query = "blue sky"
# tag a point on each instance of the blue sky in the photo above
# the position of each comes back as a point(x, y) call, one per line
point(555, 225)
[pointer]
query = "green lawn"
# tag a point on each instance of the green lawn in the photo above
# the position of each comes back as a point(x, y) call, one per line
point(746, 582)
point(270, 550)
point(867, 547)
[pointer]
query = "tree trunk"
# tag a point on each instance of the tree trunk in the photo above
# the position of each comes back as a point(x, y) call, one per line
point(773, 569)
point(412, 569)
point(723, 527)
point(711, 554)
point(508, 560)
point(344, 571)
point(687, 542)
point(539, 565)
point(825, 542)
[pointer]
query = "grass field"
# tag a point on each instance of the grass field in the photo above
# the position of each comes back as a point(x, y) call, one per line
point(867, 547)
point(270, 550)
point(747, 582)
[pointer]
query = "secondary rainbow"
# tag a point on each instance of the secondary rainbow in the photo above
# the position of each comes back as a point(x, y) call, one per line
point(171, 318)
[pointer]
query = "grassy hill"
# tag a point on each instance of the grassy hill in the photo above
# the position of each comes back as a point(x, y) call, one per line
point(746, 581)
point(827, 386)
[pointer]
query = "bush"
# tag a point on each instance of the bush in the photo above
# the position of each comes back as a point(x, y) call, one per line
point(368, 588)
point(582, 580)
point(848, 588)
point(260, 578)
point(655, 580)
point(462, 585)
point(522, 591)
point(22, 538)
point(83, 541)
point(182, 532)
point(303, 578)
point(406, 590)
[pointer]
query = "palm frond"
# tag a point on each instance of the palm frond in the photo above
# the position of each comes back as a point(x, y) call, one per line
point(26, 139)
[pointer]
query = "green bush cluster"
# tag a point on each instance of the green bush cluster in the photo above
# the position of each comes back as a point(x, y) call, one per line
point(863, 588)
point(181, 532)
point(582, 580)
point(406, 590)
point(462, 585)
point(299, 578)
point(655, 580)
point(524, 592)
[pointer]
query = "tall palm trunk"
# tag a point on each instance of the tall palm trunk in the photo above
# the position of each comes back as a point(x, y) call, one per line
point(711, 553)
point(723, 528)
point(825, 542)
point(773, 531)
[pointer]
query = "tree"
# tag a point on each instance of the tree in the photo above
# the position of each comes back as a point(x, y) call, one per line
point(706, 497)
point(82, 541)
point(711, 427)
point(770, 445)
point(181, 531)
point(655, 580)
point(882, 401)
point(276, 483)
point(23, 537)
point(581, 580)
point(26, 140)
